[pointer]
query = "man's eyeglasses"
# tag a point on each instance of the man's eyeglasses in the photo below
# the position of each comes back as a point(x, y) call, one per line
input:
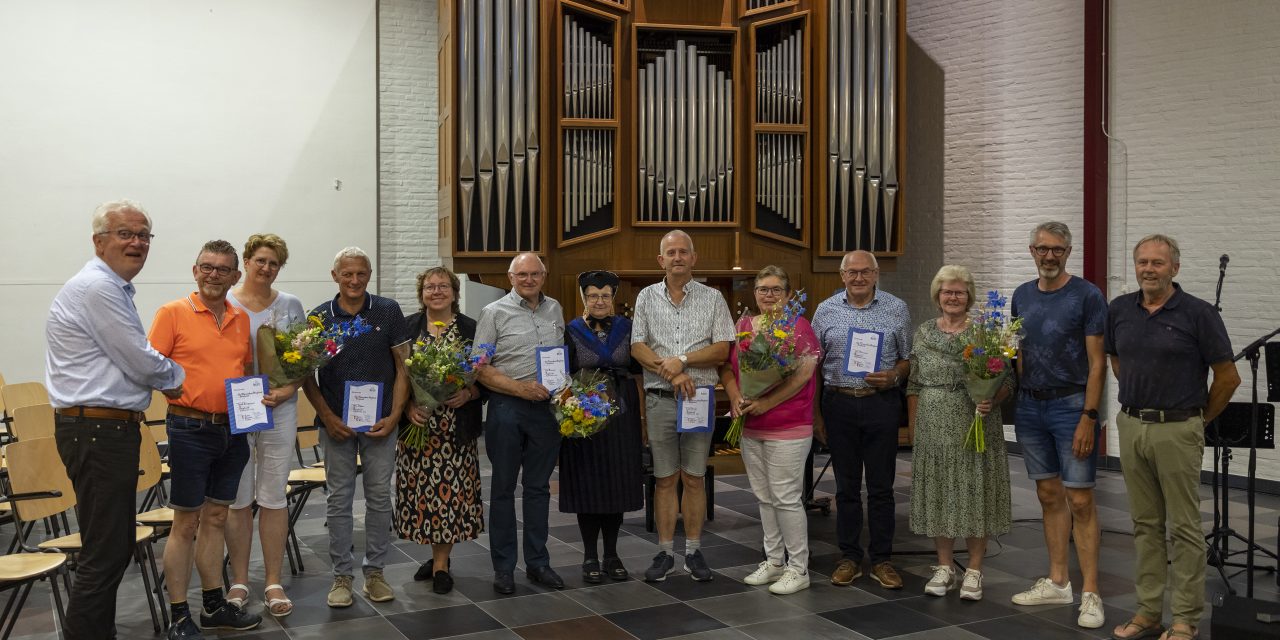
point(1058, 252)
point(775, 291)
point(528, 275)
point(854, 273)
point(125, 235)
point(207, 269)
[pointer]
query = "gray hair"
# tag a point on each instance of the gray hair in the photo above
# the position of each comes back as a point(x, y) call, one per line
point(1056, 228)
point(875, 264)
point(951, 273)
point(677, 233)
point(352, 253)
point(104, 210)
point(511, 268)
point(1161, 238)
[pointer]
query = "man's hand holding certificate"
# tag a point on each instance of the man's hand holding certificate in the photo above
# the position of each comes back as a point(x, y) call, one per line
point(361, 405)
point(696, 413)
point(244, 403)
point(553, 367)
point(863, 354)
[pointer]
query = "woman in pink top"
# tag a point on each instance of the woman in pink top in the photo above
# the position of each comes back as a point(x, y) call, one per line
point(775, 443)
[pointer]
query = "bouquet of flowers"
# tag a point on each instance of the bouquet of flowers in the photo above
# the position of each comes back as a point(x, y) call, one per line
point(993, 342)
point(438, 369)
point(583, 407)
point(289, 354)
point(768, 354)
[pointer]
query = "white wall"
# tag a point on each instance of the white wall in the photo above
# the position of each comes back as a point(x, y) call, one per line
point(223, 119)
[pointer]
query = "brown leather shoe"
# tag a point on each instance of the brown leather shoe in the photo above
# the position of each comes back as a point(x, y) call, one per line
point(886, 575)
point(846, 572)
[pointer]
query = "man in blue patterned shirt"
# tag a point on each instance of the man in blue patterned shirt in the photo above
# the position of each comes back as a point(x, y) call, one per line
point(862, 413)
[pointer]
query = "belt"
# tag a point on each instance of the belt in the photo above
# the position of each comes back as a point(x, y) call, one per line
point(1162, 415)
point(1052, 394)
point(661, 393)
point(857, 392)
point(102, 413)
point(211, 418)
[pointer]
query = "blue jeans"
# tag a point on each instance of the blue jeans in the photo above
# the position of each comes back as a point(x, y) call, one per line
point(519, 436)
point(378, 459)
point(205, 462)
point(1046, 430)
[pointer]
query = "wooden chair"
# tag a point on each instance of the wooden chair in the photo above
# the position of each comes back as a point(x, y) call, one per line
point(19, 572)
point(36, 469)
point(33, 421)
point(302, 482)
point(23, 394)
point(155, 424)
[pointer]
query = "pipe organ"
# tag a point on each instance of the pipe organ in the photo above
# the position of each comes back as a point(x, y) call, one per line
point(583, 130)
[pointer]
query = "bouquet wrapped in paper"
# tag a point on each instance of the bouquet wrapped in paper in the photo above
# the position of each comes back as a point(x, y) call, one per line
point(993, 342)
point(288, 354)
point(583, 407)
point(438, 369)
point(768, 354)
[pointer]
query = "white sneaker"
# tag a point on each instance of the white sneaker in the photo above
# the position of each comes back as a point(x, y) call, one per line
point(1091, 614)
point(1045, 592)
point(790, 582)
point(764, 574)
point(943, 580)
point(972, 587)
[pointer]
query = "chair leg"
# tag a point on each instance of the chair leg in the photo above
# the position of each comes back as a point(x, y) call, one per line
point(161, 602)
point(709, 485)
point(650, 485)
point(5, 623)
point(58, 607)
point(146, 583)
point(21, 593)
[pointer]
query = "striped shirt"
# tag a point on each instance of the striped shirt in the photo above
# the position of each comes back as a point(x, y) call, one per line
point(886, 314)
point(701, 319)
point(516, 331)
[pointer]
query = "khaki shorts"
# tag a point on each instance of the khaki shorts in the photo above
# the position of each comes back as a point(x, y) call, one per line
point(673, 451)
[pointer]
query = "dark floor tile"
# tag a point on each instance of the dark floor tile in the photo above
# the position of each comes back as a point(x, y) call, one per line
point(534, 609)
point(734, 498)
point(309, 594)
point(952, 610)
point(683, 588)
point(664, 621)
point(757, 605)
point(731, 555)
point(808, 628)
point(442, 623)
point(593, 627)
point(882, 620)
point(1021, 627)
point(360, 628)
point(621, 596)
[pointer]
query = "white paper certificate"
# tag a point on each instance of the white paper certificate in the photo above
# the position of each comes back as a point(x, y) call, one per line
point(244, 403)
point(553, 367)
point(697, 413)
point(864, 352)
point(361, 405)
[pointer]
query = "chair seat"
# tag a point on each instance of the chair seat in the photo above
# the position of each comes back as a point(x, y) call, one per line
point(307, 476)
point(164, 468)
point(162, 516)
point(72, 541)
point(24, 566)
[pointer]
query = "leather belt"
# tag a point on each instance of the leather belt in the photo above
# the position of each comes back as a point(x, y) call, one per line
point(1162, 415)
point(1052, 394)
point(857, 392)
point(102, 413)
point(186, 412)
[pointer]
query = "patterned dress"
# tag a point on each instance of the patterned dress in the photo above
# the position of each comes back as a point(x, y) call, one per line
point(955, 492)
point(438, 487)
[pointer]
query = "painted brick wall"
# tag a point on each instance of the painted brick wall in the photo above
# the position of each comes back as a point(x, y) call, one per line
point(1197, 156)
point(407, 85)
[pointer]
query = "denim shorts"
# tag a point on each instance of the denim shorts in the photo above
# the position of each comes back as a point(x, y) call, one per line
point(1046, 430)
point(205, 462)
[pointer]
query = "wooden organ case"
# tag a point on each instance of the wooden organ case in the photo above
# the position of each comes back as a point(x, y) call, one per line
point(584, 130)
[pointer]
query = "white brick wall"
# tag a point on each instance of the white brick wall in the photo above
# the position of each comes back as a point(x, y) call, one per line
point(407, 86)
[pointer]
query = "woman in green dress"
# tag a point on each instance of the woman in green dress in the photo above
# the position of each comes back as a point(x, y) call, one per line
point(955, 492)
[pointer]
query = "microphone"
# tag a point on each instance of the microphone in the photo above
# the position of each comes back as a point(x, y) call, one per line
point(1222, 262)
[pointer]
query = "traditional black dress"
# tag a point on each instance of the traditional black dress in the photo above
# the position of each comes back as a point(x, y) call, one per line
point(602, 473)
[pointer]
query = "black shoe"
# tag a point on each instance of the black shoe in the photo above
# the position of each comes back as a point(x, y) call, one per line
point(697, 567)
point(442, 582)
point(229, 616)
point(591, 572)
point(504, 583)
point(613, 567)
point(425, 571)
point(185, 629)
point(545, 576)
point(663, 565)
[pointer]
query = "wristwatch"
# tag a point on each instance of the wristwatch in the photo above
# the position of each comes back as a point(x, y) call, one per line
point(684, 359)
point(1092, 413)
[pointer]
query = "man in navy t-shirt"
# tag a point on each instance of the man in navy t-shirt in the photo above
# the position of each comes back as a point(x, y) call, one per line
point(1061, 370)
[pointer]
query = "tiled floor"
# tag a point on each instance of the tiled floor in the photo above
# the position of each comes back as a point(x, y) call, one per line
point(722, 609)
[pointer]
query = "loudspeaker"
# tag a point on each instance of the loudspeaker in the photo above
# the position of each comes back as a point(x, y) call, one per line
point(1236, 618)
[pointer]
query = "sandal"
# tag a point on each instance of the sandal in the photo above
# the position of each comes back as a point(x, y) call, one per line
point(591, 572)
point(613, 567)
point(278, 607)
point(238, 602)
point(1190, 633)
point(1151, 630)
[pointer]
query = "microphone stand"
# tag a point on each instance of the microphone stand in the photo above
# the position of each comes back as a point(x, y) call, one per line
point(1221, 534)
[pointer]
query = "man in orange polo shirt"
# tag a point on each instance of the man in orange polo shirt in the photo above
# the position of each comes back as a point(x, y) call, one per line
point(210, 339)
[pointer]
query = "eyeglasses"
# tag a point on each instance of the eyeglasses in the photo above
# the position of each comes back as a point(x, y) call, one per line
point(263, 263)
point(432, 288)
point(947, 293)
point(1058, 252)
point(855, 273)
point(208, 269)
point(125, 235)
point(774, 291)
point(528, 275)
point(599, 297)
